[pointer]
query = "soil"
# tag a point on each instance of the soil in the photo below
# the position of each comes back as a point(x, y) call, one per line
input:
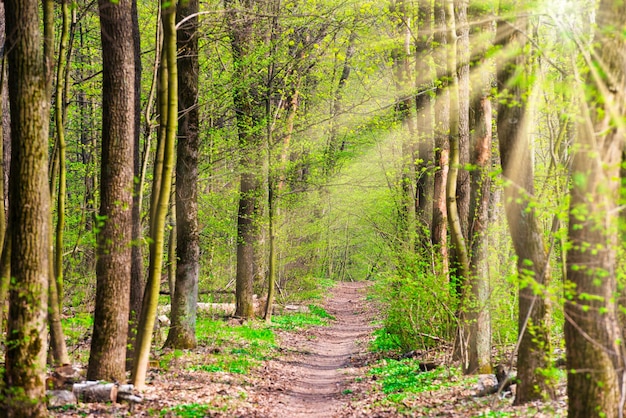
point(318, 372)
point(313, 379)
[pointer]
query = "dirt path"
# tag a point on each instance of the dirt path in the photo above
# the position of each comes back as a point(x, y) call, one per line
point(310, 380)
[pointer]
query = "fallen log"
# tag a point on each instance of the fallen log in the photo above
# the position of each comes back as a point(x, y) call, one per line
point(60, 398)
point(95, 391)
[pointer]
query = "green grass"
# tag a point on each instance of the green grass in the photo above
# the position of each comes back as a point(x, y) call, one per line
point(190, 410)
point(320, 312)
point(317, 316)
point(401, 377)
point(238, 348)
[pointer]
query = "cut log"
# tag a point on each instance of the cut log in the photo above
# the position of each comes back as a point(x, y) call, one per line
point(125, 393)
point(91, 391)
point(60, 398)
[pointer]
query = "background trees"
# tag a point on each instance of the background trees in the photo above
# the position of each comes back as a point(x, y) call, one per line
point(324, 129)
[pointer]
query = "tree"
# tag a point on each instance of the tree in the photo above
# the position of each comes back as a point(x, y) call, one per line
point(515, 154)
point(136, 280)
point(249, 109)
point(26, 343)
point(424, 110)
point(404, 83)
point(439, 234)
point(477, 288)
point(185, 294)
point(55, 290)
point(157, 223)
point(595, 350)
point(108, 345)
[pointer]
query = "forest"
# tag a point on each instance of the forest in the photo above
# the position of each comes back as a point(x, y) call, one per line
point(454, 168)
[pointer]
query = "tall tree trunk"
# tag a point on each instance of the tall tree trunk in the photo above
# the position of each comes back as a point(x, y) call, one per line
point(462, 133)
point(439, 233)
point(136, 268)
point(57, 339)
point(477, 289)
point(151, 296)
point(4, 135)
point(595, 348)
point(459, 256)
point(333, 147)
point(110, 331)
point(425, 118)
point(182, 333)
point(250, 110)
point(26, 341)
point(404, 83)
point(519, 190)
point(463, 100)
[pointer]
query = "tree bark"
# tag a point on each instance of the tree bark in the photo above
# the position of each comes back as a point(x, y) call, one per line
point(533, 264)
point(425, 118)
point(595, 348)
point(478, 286)
point(182, 333)
point(26, 341)
point(439, 233)
point(137, 283)
point(151, 295)
point(57, 339)
point(108, 345)
point(250, 110)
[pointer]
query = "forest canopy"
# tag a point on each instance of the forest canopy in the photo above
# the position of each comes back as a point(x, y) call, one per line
point(466, 157)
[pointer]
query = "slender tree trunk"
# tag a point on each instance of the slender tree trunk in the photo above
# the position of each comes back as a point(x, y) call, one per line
point(136, 268)
point(108, 345)
point(250, 109)
point(425, 118)
point(478, 288)
point(461, 68)
point(595, 347)
point(151, 296)
point(182, 333)
point(57, 339)
point(4, 278)
point(533, 263)
point(403, 79)
point(333, 147)
point(439, 233)
point(26, 341)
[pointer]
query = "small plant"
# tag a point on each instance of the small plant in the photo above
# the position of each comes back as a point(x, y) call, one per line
point(320, 312)
point(191, 410)
point(385, 341)
point(297, 321)
point(399, 377)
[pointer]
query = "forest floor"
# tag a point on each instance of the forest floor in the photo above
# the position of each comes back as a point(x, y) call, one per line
point(322, 371)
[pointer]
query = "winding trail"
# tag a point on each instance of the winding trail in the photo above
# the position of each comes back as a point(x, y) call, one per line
point(319, 361)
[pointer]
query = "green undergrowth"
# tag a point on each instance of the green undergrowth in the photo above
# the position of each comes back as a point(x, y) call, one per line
point(222, 346)
point(317, 316)
point(237, 348)
point(385, 341)
point(400, 378)
point(189, 410)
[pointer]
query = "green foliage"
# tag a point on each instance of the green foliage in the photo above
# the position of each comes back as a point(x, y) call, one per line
point(401, 377)
point(317, 316)
point(190, 410)
point(320, 312)
point(236, 348)
point(418, 305)
point(385, 341)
